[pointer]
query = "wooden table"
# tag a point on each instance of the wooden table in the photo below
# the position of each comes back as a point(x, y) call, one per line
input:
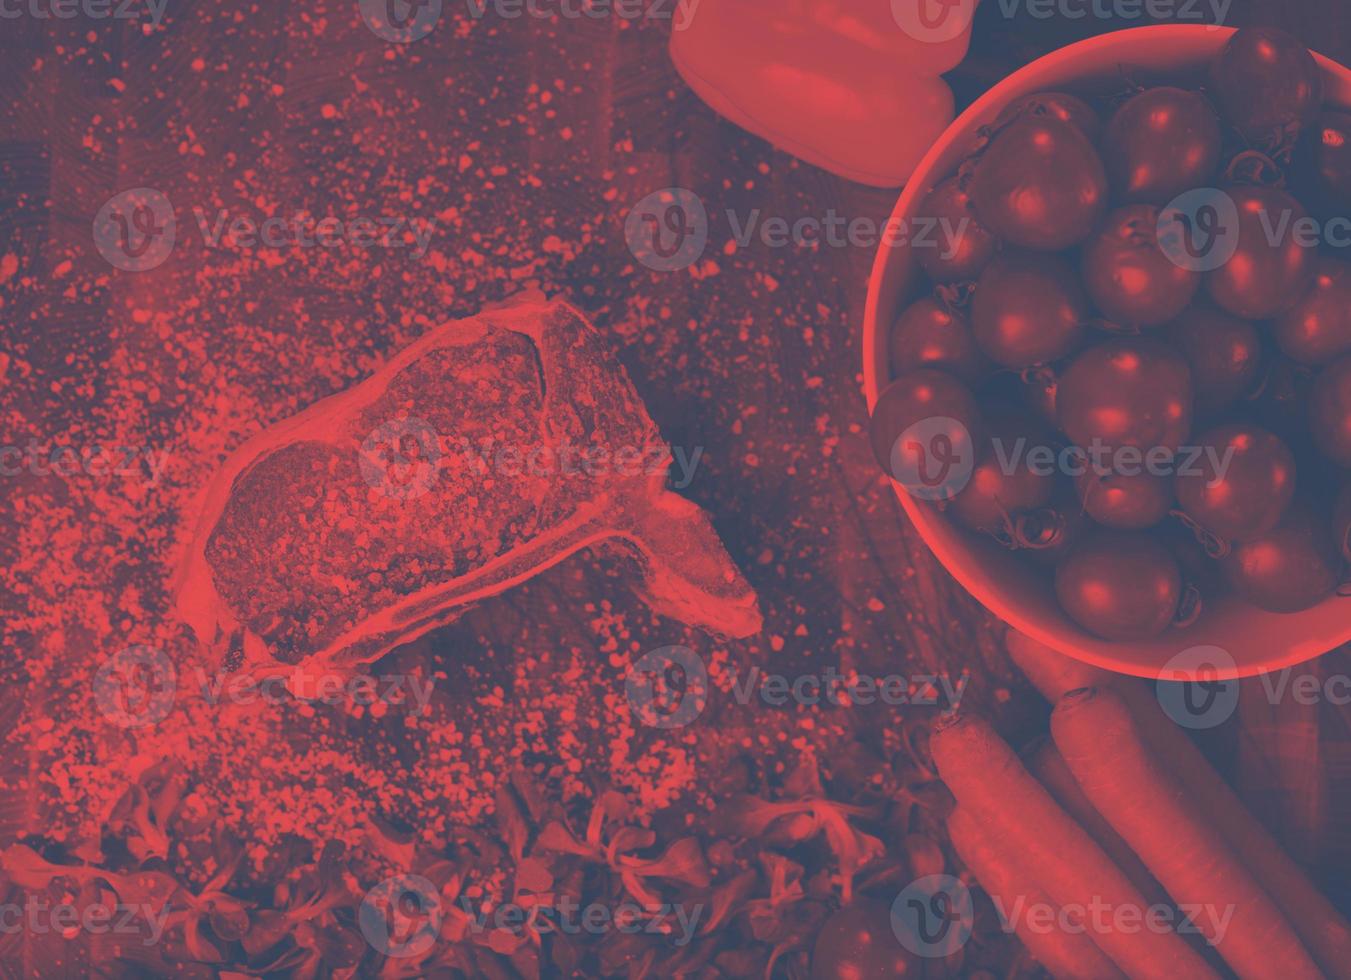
point(528, 141)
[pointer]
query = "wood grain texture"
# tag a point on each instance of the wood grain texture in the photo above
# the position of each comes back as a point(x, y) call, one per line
point(753, 355)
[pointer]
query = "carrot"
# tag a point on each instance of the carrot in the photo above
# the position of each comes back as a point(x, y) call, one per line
point(1050, 672)
point(990, 783)
point(1143, 801)
point(1324, 931)
point(1046, 763)
point(1068, 955)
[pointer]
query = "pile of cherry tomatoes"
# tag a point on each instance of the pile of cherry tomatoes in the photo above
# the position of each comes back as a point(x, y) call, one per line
point(1134, 362)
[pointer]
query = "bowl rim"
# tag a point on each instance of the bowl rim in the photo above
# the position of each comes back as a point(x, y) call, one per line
point(875, 331)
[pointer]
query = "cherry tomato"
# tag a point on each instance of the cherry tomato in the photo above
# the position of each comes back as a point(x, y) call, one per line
point(1318, 327)
point(924, 429)
point(1028, 309)
point(858, 942)
point(1224, 353)
point(1049, 533)
point(1267, 84)
point(1005, 483)
point(962, 245)
point(1040, 184)
point(1119, 585)
point(1293, 566)
point(1127, 392)
point(1241, 484)
point(1330, 411)
point(1160, 143)
point(1273, 264)
point(1129, 501)
point(1059, 105)
point(929, 334)
point(1324, 165)
point(1128, 275)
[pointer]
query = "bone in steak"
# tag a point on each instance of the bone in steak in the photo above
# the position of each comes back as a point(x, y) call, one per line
point(453, 473)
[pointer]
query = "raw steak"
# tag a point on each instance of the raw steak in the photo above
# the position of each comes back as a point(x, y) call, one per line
point(453, 473)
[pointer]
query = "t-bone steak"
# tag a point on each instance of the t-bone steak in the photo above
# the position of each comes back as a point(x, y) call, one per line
point(487, 451)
